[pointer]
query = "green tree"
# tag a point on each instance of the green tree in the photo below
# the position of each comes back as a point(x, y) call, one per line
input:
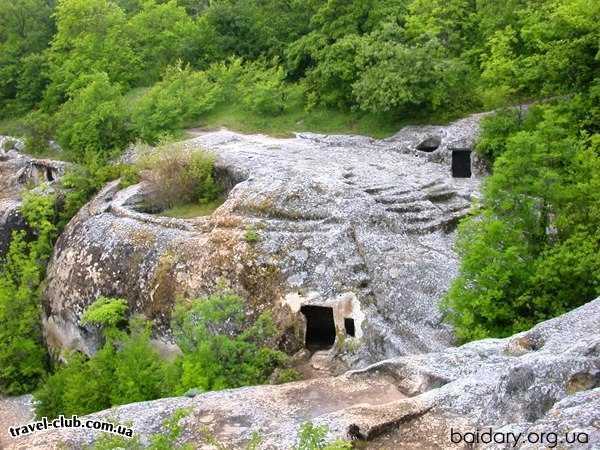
point(263, 90)
point(533, 250)
point(93, 120)
point(27, 28)
point(160, 34)
point(126, 369)
point(180, 97)
point(90, 39)
point(401, 78)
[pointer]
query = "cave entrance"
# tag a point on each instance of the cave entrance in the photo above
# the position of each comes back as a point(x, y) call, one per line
point(461, 163)
point(320, 327)
point(349, 325)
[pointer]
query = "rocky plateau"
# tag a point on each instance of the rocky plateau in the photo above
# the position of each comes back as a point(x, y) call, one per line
point(354, 241)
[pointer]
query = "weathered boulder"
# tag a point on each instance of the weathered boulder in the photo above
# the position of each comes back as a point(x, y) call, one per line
point(534, 384)
point(361, 228)
point(17, 173)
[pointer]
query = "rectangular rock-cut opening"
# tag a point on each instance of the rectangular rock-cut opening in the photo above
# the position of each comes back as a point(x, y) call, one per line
point(320, 327)
point(461, 163)
point(349, 326)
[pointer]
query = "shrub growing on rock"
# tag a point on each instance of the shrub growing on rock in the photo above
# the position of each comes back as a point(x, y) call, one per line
point(313, 437)
point(175, 176)
point(107, 312)
point(217, 353)
point(220, 350)
point(126, 369)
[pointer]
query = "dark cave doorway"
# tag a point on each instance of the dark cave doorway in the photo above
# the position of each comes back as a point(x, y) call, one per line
point(349, 326)
point(461, 163)
point(320, 327)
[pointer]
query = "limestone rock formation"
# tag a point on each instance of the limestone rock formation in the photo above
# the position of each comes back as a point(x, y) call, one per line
point(361, 228)
point(546, 380)
point(18, 172)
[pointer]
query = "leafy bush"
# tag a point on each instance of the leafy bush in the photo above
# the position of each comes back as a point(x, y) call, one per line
point(23, 357)
point(93, 119)
point(287, 375)
point(90, 39)
point(125, 370)
point(27, 28)
point(330, 81)
point(84, 180)
point(263, 90)
point(398, 77)
point(217, 354)
point(38, 128)
point(175, 175)
point(495, 129)
point(160, 34)
point(182, 96)
point(227, 75)
point(107, 312)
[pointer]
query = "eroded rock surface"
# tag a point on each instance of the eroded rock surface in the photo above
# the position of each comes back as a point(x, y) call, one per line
point(362, 226)
point(17, 173)
point(546, 380)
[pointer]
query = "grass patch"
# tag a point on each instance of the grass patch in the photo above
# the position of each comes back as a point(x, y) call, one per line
point(11, 127)
point(296, 118)
point(191, 210)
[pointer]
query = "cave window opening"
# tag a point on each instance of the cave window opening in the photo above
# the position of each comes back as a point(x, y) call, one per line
point(320, 327)
point(430, 144)
point(461, 163)
point(349, 326)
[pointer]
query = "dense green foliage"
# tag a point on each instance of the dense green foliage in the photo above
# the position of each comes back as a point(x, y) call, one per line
point(220, 350)
point(533, 249)
point(173, 102)
point(23, 357)
point(78, 60)
point(92, 120)
point(107, 312)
